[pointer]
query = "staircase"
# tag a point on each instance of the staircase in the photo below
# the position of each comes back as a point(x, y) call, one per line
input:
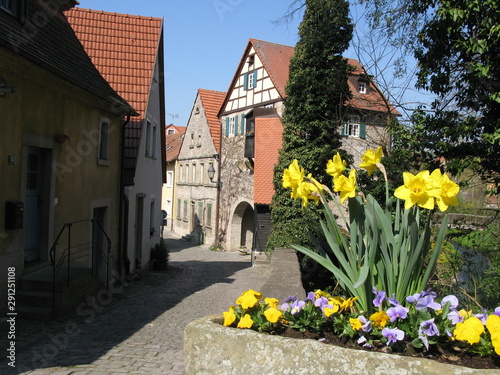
point(35, 293)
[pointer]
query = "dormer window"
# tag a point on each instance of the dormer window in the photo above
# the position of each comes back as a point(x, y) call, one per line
point(362, 87)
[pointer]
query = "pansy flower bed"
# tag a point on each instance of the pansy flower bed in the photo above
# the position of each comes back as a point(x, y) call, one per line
point(422, 324)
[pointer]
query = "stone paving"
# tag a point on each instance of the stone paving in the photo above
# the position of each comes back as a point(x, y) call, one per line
point(138, 328)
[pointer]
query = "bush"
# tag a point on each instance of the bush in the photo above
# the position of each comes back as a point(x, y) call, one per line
point(159, 256)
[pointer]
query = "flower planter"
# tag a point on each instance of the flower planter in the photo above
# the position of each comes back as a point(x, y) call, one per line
point(210, 348)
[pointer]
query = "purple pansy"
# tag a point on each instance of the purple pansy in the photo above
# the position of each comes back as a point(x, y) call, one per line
point(497, 311)
point(311, 296)
point(452, 300)
point(397, 312)
point(366, 324)
point(482, 317)
point(428, 302)
point(429, 328)
point(379, 297)
point(297, 306)
point(392, 335)
point(393, 301)
point(455, 317)
point(320, 302)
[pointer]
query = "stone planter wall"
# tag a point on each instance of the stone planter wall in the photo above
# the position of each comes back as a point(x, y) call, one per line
point(211, 348)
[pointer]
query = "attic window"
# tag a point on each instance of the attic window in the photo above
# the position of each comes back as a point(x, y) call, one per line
point(197, 111)
point(362, 87)
point(251, 59)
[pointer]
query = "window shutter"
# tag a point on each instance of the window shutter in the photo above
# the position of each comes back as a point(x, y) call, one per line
point(342, 130)
point(235, 125)
point(362, 131)
point(243, 123)
point(227, 126)
point(245, 82)
point(255, 78)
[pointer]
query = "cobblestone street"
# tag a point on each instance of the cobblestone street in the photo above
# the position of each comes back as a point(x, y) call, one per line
point(139, 329)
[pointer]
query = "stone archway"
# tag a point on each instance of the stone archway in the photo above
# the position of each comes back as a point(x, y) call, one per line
point(242, 227)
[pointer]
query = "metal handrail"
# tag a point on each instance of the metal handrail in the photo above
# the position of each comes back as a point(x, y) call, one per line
point(70, 251)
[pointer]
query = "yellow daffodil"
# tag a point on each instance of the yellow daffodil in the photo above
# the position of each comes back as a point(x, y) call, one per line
point(379, 319)
point(346, 186)
point(356, 324)
point(470, 330)
point(319, 293)
point(310, 189)
point(336, 166)
point(293, 177)
point(249, 299)
point(418, 189)
point(245, 322)
point(272, 314)
point(229, 317)
point(271, 302)
point(371, 159)
point(448, 190)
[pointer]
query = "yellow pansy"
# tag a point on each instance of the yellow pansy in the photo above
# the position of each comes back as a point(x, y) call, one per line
point(448, 190)
point(470, 330)
point(271, 302)
point(249, 299)
point(379, 319)
point(356, 324)
point(418, 189)
point(346, 186)
point(245, 322)
point(327, 311)
point(336, 166)
point(371, 159)
point(229, 317)
point(493, 324)
point(272, 314)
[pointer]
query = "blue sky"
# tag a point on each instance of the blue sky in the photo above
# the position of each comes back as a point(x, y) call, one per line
point(204, 41)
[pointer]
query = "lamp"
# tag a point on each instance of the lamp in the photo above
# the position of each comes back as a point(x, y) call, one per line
point(211, 172)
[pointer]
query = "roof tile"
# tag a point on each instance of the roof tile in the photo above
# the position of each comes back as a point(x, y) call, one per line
point(212, 101)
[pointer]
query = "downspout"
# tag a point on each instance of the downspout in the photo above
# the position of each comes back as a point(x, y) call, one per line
point(219, 186)
point(124, 262)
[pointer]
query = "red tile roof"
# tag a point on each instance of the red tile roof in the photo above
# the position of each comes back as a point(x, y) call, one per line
point(174, 143)
point(268, 141)
point(212, 101)
point(122, 47)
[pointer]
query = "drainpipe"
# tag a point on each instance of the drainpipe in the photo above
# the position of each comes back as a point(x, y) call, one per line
point(218, 159)
point(123, 261)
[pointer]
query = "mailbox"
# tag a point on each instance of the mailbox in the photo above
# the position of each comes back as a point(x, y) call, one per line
point(14, 215)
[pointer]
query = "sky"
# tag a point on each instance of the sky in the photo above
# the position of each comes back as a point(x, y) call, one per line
point(204, 41)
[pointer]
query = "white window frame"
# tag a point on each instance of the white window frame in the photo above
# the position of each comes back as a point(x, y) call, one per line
point(353, 126)
point(232, 128)
point(362, 87)
point(170, 179)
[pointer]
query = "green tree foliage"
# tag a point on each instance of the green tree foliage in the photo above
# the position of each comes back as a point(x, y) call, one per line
point(456, 44)
point(317, 93)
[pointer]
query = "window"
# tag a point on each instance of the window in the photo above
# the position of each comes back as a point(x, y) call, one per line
point(148, 139)
point(231, 125)
point(362, 87)
point(199, 140)
point(179, 202)
point(186, 176)
point(153, 146)
point(14, 7)
point(185, 211)
point(168, 208)
point(353, 128)
point(200, 213)
point(171, 131)
point(194, 173)
point(104, 130)
point(152, 228)
point(250, 80)
point(202, 173)
point(191, 141)
point(208, 219)
point(181, 173)
point(170, 178)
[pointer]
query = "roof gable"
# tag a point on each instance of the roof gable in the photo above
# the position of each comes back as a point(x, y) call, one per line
point(275, 61)
point(123, 47)
point(212, 101)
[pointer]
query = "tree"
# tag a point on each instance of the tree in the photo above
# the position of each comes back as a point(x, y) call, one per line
point(317, 94)
point(456, 44)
